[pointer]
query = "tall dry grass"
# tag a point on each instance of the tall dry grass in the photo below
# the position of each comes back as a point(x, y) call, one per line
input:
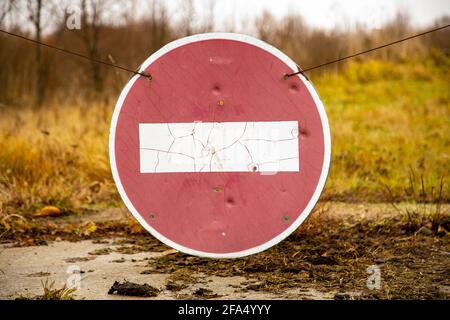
point(387, 120)
point(56, 156)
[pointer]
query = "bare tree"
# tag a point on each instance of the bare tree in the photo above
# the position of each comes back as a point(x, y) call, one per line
point(265, 26)
point(440, 39)
point(158, 25)
point(188, 17)
point(209, 16)
point(35, 10)
point(5, 8)
point(91, 11)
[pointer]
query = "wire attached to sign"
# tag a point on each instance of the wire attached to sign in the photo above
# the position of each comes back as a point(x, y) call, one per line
point(144, 74)
point(287, 76)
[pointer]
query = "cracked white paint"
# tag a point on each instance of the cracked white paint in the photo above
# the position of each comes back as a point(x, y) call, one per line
point(270, 146)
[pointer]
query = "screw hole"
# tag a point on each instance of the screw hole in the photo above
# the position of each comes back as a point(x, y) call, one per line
point(216, 90)
point(293, 88)
point(304, 133)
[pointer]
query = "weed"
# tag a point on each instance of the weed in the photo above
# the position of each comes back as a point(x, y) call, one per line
point(51, 293)
point(424, 205)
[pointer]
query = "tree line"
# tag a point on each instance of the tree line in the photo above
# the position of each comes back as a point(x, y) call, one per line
point(111, 30)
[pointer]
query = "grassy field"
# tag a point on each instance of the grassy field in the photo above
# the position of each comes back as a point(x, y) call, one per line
point(390, 125)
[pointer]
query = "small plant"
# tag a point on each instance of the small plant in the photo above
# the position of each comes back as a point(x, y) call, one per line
point(424, 208)
point(51, 293)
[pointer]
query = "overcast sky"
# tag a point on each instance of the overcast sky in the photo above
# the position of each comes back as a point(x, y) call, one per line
point(327, 14)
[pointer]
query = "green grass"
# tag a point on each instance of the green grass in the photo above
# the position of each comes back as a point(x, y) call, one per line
point(390, 123)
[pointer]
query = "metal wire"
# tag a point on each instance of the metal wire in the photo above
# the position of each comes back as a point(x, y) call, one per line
point(144, 74)
point(286, 76)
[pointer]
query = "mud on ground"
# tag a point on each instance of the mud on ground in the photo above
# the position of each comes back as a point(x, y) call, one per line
point(327, 258)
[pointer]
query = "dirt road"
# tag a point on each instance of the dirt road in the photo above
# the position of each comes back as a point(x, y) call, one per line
point(347, 251)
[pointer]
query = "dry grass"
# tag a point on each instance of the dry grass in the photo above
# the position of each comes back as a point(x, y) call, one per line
point(56, 156)
point(51, 293)
point(386, 119)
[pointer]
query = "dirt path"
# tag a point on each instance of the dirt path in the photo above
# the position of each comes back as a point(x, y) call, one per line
point(348, 251)
point(23, 269)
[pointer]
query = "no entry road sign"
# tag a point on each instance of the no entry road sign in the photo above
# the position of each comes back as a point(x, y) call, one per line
point(219, 155)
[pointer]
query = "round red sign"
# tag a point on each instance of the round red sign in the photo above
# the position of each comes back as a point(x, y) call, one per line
point(219, 155)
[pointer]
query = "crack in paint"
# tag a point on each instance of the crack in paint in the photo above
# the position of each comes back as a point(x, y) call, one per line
point(211, 150)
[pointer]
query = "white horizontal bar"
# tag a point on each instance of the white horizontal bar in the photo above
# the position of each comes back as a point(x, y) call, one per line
point(270, 146)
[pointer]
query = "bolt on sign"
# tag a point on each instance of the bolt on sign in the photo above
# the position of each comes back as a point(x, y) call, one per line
point(219, 155)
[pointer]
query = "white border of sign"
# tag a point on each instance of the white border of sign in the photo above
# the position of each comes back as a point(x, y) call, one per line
point(326, 133)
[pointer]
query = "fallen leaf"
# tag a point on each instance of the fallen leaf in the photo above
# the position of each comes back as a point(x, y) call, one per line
point(168, 252)
point(48, 211)
point(89, 228)
point(92, 228)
